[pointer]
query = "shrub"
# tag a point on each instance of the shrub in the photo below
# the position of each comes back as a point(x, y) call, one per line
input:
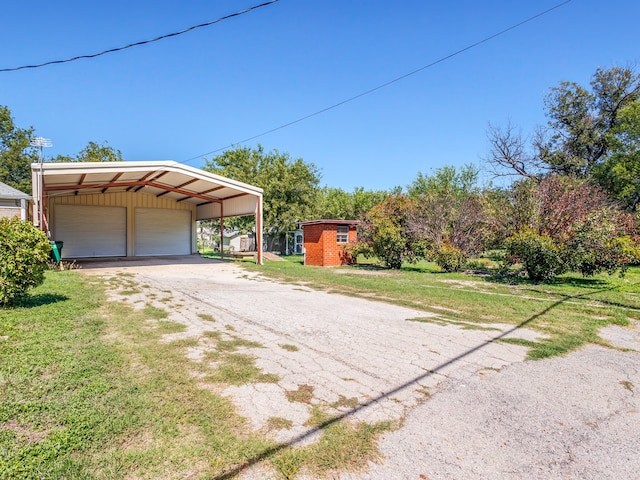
point(449, 258)
point(24, 252)
point(597, 246)
point(383, 229)
point(541, 257)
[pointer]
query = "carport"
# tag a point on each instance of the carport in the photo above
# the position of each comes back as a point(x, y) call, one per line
point(133, 209)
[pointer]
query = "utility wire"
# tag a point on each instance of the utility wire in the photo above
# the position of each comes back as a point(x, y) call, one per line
point(383, 85)
point(143, 42)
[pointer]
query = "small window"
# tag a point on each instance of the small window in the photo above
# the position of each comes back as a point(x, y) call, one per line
point(343, 234)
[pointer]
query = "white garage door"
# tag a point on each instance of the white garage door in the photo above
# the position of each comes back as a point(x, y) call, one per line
point(162, 232)
point(91, 231)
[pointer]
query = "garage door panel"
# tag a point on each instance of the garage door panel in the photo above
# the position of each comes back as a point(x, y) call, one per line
point(162, 232)
point(91, 231)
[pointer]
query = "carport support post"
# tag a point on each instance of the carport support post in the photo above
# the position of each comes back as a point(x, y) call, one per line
point(221, 230)
point(259, 231)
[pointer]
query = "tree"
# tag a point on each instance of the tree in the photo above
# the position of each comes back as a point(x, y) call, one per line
point(384, 232)
point(16, 153)
point(591, 133)
point(562, 202)
point(448, 211)
point(338, 204)
point(620, 171)
point(509, 153)
point(569, 224)
point(581, 121)
point(290, 185)
point(93, 152)
point(447, 180)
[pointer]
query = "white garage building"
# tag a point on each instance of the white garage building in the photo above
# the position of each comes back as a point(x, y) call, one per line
point(132, 209)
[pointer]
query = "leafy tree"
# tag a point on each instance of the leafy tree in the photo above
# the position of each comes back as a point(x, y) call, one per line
point(338, 204)
point(16, 153)
point(620, 172)
point(383, 232)
point(447, 180)
point(448, 211)
point(591, 133)
point(562, 202)
point(23, 258)
point(289, 185)
point(582, 120)
point(93, 152)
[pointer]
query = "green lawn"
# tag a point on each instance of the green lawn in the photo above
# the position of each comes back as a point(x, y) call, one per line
point(570, 310)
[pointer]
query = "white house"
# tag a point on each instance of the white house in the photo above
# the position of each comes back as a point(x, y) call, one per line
point(13, 203)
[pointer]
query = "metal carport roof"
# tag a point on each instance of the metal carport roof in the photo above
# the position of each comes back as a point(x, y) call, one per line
point(215, 197)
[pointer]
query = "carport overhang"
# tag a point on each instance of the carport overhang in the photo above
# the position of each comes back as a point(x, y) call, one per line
point(215, 197)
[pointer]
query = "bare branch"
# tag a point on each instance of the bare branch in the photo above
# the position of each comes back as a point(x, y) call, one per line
point(508, 154)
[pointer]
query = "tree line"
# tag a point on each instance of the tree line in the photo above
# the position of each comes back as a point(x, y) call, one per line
point(573, 202)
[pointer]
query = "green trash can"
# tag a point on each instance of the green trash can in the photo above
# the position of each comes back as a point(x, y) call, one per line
point(56, 251)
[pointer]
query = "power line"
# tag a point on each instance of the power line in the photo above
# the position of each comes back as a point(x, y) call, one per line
point(143, 42)
point(386, 84)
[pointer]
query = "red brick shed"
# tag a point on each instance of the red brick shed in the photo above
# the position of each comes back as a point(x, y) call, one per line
point(325, 241)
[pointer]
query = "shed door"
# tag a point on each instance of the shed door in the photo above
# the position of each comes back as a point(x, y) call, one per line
point(162, 232)
point(91, 231)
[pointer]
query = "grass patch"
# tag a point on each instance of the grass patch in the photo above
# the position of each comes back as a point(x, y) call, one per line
point(569, 311)
point(279, 423)
point(239, 369)
point(288, 347)
point(304, 394)
point(444, 321)
point(343, 445)
point(519, 341)
point(231, 367)
point(155, 313)
point(213, 334)
point(344, 402)
point(207, 317)
point(130, 292)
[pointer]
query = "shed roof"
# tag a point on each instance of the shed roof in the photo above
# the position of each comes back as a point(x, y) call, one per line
point(160, 178)
point(330, 222)
point(11, 193)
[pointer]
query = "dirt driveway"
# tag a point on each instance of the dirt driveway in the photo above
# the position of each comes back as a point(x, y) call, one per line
point(470, 407)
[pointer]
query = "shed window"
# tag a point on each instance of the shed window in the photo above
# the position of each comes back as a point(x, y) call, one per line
point(342, 234)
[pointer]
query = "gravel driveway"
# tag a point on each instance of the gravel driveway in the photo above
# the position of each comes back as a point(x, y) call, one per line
point(470, 407)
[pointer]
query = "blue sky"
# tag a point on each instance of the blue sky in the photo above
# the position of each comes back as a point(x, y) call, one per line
point(182, 97)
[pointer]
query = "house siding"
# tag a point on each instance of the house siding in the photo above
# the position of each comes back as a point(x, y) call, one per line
point(10, 212)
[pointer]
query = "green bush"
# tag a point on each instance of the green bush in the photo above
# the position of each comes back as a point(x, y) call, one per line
point(541, 257)
point(384, 231)
point(449, 258)
point(596, 246)
point(24, 252)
